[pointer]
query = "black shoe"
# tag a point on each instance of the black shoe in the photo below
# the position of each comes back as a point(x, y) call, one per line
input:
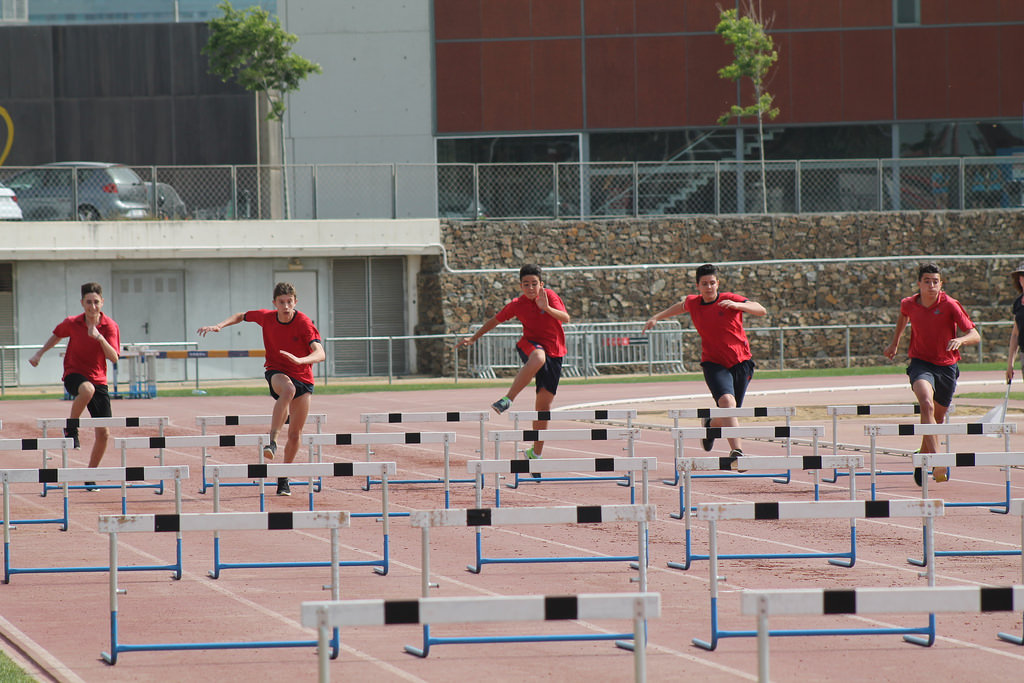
point(918, 475)
point(283, 489)
point(270, 450)
point(707, 444)
point(737, 453)
point(91, 486)
point(72, 433)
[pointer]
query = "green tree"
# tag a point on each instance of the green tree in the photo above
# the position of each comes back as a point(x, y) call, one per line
point(753, 57)
point(250, 47)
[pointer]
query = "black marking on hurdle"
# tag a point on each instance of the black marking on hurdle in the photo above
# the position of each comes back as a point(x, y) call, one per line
point(131, 422)
point(342, 439)
point(543, 414)
point(839, 601)
point(72, 422)
point(166, 523)
point(876, 508)
point(48, 476)
point(726, 463)
point(812, 462)
point(975, 428)
point(394, 417)
point(413, 437)
point(157, 442)
point(255, 471)
point(531, 435)
point(29, 444)
point(478, 517)
point(713, 432)
point(965, 459)
point(604, 464)
point(453, 417)
point(905, 430)
point(996, 599)
point(863, 410)
point(588, 514)
point(782, 432)
point(599, 434)
point(766, 510)
point(279, 520)
point(761, 412)
point(401, 611)
point(231, 420)
point(917, 409)
point(134, 473)
point(519, 466)
point(560, 607)
point(227, 440)
point(600, 414)
point(703, 413)
point(343, 469)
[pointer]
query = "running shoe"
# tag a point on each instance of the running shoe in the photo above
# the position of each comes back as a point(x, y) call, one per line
point(530, 455)
point(502, 404)
point(72, 433)
point(708, 444)
point(270, 450)
point(283, 488)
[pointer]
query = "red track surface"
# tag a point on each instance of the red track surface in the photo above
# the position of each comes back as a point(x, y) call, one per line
point(62, 619)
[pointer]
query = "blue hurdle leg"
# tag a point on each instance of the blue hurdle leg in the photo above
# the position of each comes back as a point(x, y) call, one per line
point(479, 555)
point(713, 643)
point(853, 550)
point(111, 657)
point(1010, 638)
point(383, 569)
point(425, 650)
point(929, 638)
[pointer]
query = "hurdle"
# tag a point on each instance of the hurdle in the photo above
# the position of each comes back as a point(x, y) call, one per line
point(480, 517)
point(63, 476)
point(38, 445)
point(204, 421)
point(996, 459)
point(84, 422)
point(714, 512)
point(630, 435)
point(479, 416)
point(708, 413)
point(947, 429)
point(756, 462)
point(762, 432)
point(911, 600)
point(325, 616)
point(215, 521)
point(1017, 510)
point(880, 409)
point(312, 471)
point(408, 438)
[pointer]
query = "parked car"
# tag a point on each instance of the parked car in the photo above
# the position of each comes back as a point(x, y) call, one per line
point(105, 192)
point(169, 204)
point(9, 209)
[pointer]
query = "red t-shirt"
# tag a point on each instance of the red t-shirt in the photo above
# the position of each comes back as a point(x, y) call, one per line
point(84, 354)
point(538, 327)
point(722, 338)
point(932, 328)
point(293, 337)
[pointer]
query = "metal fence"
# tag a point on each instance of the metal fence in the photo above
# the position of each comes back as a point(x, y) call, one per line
point(566, 190)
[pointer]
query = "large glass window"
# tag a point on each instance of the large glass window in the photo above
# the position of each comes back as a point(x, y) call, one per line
point(960, 139)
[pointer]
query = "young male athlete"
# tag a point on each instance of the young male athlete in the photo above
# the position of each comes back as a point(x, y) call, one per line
point(93, 339)
point(541, 347)
point(293, 345)
point(724, 349)
point(935, 318)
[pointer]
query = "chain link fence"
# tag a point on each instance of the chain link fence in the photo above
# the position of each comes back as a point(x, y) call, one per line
point(539, 190)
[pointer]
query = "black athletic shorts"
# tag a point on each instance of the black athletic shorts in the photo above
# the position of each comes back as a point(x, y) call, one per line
point(99, 405)
point(300, 387)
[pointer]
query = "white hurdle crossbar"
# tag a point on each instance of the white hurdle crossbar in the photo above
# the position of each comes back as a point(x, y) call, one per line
point(314, 470)
point(629, 434)
point(46, 423)
point(477, 518)
point(478, 416)
point(204, 421)
point(947, 429)
point(63, 476)
point(325, 616)
point(874, 509)
point(866, 410)
point(216, 521)
point(911, 600)
point(754, 463)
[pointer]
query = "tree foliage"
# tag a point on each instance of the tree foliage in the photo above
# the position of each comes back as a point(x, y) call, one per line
point(250, 47)
point(754, 55)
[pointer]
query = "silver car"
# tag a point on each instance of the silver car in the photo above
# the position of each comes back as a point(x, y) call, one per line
point(9, 209)
point(104, 192)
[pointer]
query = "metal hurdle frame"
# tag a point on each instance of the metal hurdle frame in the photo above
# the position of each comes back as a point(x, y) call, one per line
point(1017, 510)
point(630, 434)
point(713, 512)
point(480, 416)
point(204, 421)
point(312, 471)
point(995, 459)
point(480, 517)
point(409, 438)
point(880, 409)
point(54, 475)
point(710, 413)
point(216, 521)
point(767, 462)
point(948, 429)
point(38, 445)
point(85, 422)
point(911, 600)
point(787, 434)
point(481, 467)
point(324, 616)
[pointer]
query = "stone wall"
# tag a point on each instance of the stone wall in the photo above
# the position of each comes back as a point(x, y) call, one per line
point(618, 275)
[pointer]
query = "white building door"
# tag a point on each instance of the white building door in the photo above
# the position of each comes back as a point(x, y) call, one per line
point(149, 306)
